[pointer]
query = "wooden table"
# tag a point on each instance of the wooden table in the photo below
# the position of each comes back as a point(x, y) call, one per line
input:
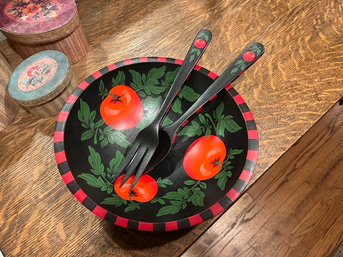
point(295, 83)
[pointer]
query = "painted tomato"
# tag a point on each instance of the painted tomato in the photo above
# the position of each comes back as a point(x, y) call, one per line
point(204, 158)
point(200, 43)
point(249, 56)
point(144, 191)
point(122, 109)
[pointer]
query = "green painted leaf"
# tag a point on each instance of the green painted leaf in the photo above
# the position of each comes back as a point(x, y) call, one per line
point(164, 182)
point(113, 200)
point(158, 200)
point(120, 79)
point(131, 208)
point(150, 82)
point(152, 103)
point(85, 111)
point(228, 173)
point(108, 131)
point(176, 202)
point(80, 117)
point(220, 129)
point(182, 192)
point(189, 94)
point(187, 193)
point(202, 118)
point(110, 138)
point(239, 62)
point(156, 73)
point(104, 142)
point(170, 209)
point(135, 87)
point(236, 151)
point(190, 182)
point(166, 122)
point(171, 75)
point(219, 110)
point(191, 130)
point(94, 160)
point(223, 176)
point(157, 90)
point(232, 126)
point(142, 94)
point(222, 182)
point(203, 185)
point(87, 135)
point(145, 121)
point(243, 67)
point(191, 58)
point(200, 200)
point(92, 116)
point(99, 123)
point(176, 107)
point(118, 160)
point(143, 78)
point(84, 125)
point(208, 131)
point(120, 139)
point(102, 183)
point(234, 70)
point(101, 87)
point(173, 196)
point(90, 180)
point(136, 78)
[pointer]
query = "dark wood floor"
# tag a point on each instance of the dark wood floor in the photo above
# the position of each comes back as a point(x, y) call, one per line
point(295, 209)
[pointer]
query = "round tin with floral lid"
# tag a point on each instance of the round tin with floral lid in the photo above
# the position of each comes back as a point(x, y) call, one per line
point(35, 25)
point(42, 83)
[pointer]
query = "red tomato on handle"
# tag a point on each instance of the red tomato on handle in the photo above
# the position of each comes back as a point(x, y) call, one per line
point(204, 158)
point(122, 109)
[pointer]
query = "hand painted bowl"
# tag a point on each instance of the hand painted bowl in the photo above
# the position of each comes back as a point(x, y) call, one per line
point(208, 168)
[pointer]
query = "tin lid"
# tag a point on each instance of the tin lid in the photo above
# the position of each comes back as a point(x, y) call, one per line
point(39, 78)
point(35, 16)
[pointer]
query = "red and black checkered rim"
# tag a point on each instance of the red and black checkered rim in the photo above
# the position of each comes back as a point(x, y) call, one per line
point(216, 209)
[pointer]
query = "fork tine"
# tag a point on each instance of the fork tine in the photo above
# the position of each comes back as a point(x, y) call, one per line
point(133, 164)
point(142, 167)
point(128, 158)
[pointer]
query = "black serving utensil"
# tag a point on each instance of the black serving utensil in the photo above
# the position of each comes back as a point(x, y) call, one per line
point(139, 154)
point(167, 135)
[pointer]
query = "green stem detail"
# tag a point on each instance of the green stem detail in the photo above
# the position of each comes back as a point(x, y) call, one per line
point(195, 185)
point(211, 120)
point(109, 183)
point(96, 135)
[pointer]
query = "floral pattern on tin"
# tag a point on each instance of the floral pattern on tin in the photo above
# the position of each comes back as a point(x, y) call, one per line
point(37, 75)
point(32, 10)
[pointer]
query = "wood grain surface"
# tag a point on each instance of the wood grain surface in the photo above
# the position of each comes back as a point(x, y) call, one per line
point(295, 209)
point(8, 108)
point(295, 83)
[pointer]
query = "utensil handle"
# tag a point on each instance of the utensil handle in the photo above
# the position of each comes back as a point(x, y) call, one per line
point(198, 47)
point(247, 58)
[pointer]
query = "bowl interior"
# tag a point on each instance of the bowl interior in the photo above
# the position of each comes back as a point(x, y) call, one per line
point(94, 150)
